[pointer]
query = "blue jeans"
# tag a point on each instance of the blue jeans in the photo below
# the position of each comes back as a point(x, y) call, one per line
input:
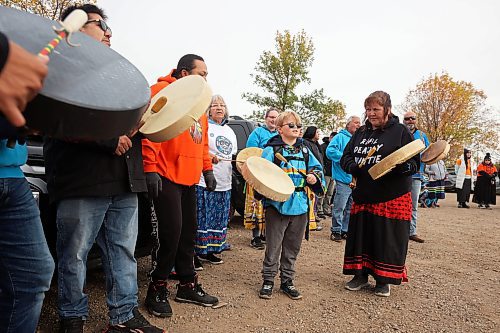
point(26, 266)
point(342, 202)
point(112, 222)
point(415, 192)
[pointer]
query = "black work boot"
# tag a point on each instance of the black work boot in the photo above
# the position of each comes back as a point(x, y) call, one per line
point(71, 325)
point(193, 293)
point(157, 299)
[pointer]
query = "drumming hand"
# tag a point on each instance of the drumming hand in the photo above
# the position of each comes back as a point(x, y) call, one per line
point(311, 179)
point(20, 80)
point(210, 181)
point(405, 169)
point(153, 183)
point(124, 144)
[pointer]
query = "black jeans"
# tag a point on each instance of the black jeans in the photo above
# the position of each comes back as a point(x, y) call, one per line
point(175, 210)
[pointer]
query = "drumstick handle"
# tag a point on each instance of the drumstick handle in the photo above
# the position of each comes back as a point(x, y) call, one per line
point(52, 44)
point(362, 163)
point(284, 160)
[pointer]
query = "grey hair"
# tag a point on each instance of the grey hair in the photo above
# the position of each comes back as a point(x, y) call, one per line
point(214, 99)
point(351, 118)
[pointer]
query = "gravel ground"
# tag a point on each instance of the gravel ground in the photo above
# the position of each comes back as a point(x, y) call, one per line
point(454, 285)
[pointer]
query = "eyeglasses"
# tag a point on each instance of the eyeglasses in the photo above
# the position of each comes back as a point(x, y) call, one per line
point(218, 106)
point(103, 25)
point(410, 118)
point(292, 125)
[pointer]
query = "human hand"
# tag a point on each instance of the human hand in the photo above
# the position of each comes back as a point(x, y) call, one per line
point(124, 144)
point(20, 80)
point(210, 181)
point(215, 159)
point(154, 185)
point(311, 179)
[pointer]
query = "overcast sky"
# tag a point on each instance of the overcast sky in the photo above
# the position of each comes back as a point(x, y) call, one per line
point(361, 46)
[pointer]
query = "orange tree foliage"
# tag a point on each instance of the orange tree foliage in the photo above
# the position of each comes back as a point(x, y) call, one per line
point(454, 111)
point(47, 8)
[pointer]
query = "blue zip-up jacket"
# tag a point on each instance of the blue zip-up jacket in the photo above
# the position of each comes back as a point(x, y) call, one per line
point(260, 136)
point(297, 204)
point(334, 152)
point(419, 135)
point(11, 160)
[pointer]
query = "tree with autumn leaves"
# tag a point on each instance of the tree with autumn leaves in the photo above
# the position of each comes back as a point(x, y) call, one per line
point(454, 111)
point(279, 74)
point(51, 9)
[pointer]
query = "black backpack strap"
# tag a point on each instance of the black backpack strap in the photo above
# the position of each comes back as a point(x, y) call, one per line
point(277, 149)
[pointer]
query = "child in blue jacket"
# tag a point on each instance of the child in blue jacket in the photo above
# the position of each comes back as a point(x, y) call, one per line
point(286, 221)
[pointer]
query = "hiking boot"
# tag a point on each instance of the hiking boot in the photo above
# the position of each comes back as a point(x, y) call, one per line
point(157, 299)
point(289, 289)
point(211, 258)
point(197, 264)
point(266, 291)
point(256, 243)
point(357, 282)
point(336, 237)
point(193, 293)
point(71, 325)
point(383, 289)
point(137, 324)
point(417, 239)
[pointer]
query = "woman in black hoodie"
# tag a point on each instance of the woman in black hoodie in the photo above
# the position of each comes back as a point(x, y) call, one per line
point(379, 227)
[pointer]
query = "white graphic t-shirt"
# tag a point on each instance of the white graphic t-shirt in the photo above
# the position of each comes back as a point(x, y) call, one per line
point(222, 143)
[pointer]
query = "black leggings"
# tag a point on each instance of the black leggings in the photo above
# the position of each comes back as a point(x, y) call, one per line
point(176, 213)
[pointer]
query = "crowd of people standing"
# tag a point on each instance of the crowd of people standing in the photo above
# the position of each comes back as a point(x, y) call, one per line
point(95, 187)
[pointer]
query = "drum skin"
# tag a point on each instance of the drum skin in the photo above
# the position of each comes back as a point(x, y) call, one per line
point(244, 154)
point(186, 101)
point(435, 152)
point(91, 92)
point(397, 157)
point(267, 178)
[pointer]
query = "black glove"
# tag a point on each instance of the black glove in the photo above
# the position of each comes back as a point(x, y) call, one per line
point(210, 181)
point(405, 169)
point(153, 182)
point(354, 170)
point(484, 173)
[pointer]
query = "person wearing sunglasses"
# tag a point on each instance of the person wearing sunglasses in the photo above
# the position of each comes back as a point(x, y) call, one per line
point(410, 120)
point(95, 187)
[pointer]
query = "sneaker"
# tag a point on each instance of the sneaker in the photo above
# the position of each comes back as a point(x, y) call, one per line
point(417, 239)
point(137, 324)
point(256, 243)
point(211, 258)
point(336, 237)
point(197, 264)
point(157, 299)
point(488, 207)
point(289, 289)
point(318, 227)
point(383, 289)
point(193, 293)
point(263, 239)
point(480, 206)
point(266, 291)
point(71, 325)
point(343, 235)
point(357, 282)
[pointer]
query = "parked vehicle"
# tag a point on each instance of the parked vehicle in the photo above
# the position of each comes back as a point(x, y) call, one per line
point(34, 170)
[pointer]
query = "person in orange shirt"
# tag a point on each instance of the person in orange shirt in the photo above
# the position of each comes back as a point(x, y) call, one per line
point(173, 168)
point(465, 183)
